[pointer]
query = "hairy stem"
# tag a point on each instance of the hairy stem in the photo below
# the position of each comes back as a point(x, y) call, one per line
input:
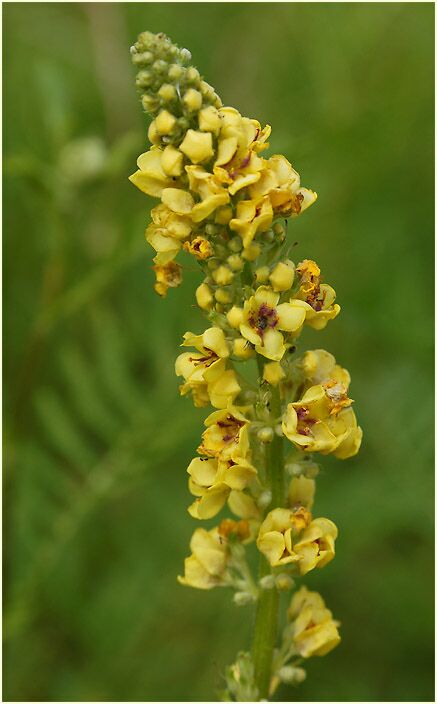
point(266, 618)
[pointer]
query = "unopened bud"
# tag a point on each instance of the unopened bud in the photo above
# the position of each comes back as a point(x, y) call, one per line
point(223, 275)
point(284, 582)
point(235, 244)
point(267, 582)
point(292, 675)
point(175, 72)
point(235, 262)
point(222, 296)
point(167, 92)
point(252, 251)
point(164, 122)
point(264, 499)
point(192, 100)
point(185, 55)
point(262, 274)
point(265, 434)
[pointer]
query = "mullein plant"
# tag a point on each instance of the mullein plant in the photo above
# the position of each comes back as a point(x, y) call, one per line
point(228, 206)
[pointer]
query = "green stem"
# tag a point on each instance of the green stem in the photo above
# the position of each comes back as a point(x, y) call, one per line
point(266, 618)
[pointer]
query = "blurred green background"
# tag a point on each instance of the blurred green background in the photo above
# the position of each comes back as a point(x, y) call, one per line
point(96, 437)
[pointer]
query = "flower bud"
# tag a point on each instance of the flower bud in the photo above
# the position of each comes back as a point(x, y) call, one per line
point(209, 120)
point(144, 79)
point(235, 262)
point(193, 75)
point(222, 296)
point(262, 274)
point(210, 229)
point(164, 122)
point(252, 251)
point(175, 72)
point(185, 55)
point(172, 161)
point(235, 317)
point(291, 675)
point(282, 276)
point(222, 276)
point(265, 434)
point(235, 244)
point(242, 348)
point(279, 229)
point(167, 92)
point(242, 598)
point(192, 100)
point(204, 297)
point(273, 373)
point(267, 582)
point(222, 217)
point(149, 103)
point(284, 582)
point(152, 133)
point(160, 66)
point(264, 499)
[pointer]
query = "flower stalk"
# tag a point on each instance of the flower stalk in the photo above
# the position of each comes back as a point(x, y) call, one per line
point(227, 206)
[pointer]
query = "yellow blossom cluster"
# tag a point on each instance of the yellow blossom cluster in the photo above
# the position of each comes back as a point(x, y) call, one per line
point(227, 205)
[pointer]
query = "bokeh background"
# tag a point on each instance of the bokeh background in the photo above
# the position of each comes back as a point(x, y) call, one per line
point(96, 436)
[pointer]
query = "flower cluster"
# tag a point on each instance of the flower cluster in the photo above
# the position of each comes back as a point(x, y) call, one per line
point(228, 206)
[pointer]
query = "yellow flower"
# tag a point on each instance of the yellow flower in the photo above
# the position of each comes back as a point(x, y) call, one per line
point(316, 545)
point(290, 536)
point(166, 232)
point(226, 436)
point(212, 480)
point(167, 276)
point(151, 177)
point(206, 567)
point(178, 200)
point(281, 183)
point(264, 320)
point(252, 216)
point(314, 630)
point(212, 194)
point(323, 421)
point(205, 373)
point(222, 386)
point(197, 146)
point(237, 163)
point(318, 297)
point(276, 535)
point(199, 247)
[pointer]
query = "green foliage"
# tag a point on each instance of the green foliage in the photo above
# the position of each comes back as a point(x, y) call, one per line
point(96, 436)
